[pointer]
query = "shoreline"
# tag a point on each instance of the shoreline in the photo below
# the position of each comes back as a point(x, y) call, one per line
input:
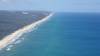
point(16, 35)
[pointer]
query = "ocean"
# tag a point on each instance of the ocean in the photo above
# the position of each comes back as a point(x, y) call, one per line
point(64, 34)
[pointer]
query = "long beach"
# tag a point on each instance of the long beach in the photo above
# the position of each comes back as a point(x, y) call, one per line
point(9, 39)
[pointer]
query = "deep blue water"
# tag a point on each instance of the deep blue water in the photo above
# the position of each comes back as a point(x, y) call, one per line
point(65, 34)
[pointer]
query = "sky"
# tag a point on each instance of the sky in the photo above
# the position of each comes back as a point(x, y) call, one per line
point(52, 5)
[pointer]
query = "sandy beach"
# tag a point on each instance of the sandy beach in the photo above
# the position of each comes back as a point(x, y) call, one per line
point(16, 35)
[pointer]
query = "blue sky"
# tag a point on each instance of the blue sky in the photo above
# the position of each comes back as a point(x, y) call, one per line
point(52, 5)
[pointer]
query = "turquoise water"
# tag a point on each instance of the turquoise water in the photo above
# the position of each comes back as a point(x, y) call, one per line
point(65, 34)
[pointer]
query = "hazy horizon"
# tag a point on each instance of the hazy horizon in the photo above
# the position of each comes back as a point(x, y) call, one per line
point(52, 5)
